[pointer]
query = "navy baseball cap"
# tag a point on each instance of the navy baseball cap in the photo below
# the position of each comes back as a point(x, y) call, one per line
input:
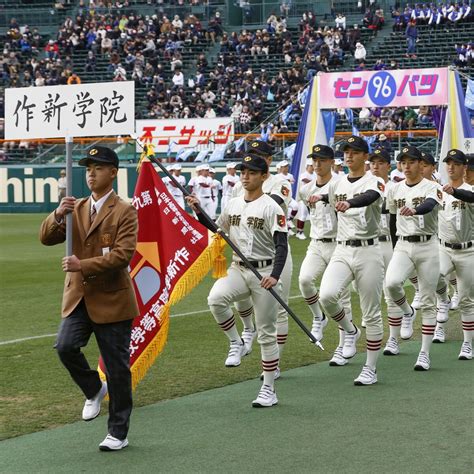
point(253, 162)
point(410, 152)
point(100, 154)
point(428, 158)
point(260, 147)
point(355, 143)
point(322, 151)
point(380, 153)
point(456, 155)
point(470, 162)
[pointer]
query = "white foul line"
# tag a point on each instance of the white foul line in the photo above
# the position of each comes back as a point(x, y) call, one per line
point(14, 341)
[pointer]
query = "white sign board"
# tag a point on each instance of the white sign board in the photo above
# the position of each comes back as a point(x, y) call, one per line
point(172, 135)
point(84, 110)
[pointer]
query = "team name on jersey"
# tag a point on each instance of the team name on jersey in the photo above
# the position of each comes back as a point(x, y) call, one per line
point(416, 201)
point(340, 197)
point(455, 205)
point(255, 222)
point(234, 220)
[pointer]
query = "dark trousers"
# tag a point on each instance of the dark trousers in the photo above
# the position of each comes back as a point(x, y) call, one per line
point(113, 340)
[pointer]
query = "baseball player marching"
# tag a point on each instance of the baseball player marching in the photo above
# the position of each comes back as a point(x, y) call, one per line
point(256, 223)
point(202, 187)
point(280, 191)
point(413, 207)
point(456, 235)
point(357, 199)
point(380, 167)
point(173, 189)
point(323, 242)
point(228, 183)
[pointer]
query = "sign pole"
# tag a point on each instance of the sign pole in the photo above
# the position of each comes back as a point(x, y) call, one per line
point(69, 141)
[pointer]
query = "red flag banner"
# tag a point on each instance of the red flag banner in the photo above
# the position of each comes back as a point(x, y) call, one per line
point(174, 253)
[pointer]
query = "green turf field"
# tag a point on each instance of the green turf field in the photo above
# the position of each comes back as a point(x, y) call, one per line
point(408, 423)
point(36, 391)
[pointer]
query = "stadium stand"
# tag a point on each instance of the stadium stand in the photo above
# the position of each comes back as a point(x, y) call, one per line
point(186, 63)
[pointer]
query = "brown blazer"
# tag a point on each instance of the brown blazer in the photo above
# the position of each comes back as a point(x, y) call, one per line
point(105, 250)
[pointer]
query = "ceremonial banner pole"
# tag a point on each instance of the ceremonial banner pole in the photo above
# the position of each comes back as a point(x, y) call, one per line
point(69, 141)
point(219, 231)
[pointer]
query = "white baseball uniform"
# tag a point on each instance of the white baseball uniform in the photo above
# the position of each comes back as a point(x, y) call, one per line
point(416, 250)
point(202, 189)
point(251, 225)
point(456, 235)
point(174, 190)
point(320, 250)
point(216, 187)
point(305, 179)
point(228, 183)
point(357, 257)
point(278, 186)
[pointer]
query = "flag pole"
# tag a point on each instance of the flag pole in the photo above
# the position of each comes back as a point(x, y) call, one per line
point(231, 244)
point(68, 141)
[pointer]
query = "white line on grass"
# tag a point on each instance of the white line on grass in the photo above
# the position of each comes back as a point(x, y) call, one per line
point(23, 339)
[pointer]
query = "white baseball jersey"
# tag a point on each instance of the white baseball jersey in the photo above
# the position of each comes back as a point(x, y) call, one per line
point(289, 177)
point(321, 215)
point(174, 190)
point(385, 216)
point(228, 184)
point(307, 176)
point(216, 187)
point(357, 223)
point(275, 184)
point(401, 195)
point(202, 186)
point(251, 226)
point(456, 218)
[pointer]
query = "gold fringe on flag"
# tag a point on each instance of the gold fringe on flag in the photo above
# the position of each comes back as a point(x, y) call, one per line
point(212, 256)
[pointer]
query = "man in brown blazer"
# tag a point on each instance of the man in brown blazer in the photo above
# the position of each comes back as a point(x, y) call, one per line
point(98, 292)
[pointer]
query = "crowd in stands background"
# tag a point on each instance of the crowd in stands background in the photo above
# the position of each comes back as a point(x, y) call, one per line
point(149, 50)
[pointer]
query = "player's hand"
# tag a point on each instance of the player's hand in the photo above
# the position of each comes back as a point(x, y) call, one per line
point(342, 206)
point(315, 198)
point(268, 282)
point(65, 207)
point(447, 188)
point(193, 202)
point(407, 211)
point(71, 264)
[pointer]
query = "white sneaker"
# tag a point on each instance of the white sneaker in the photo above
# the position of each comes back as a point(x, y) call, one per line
point(236, 351)
point(248, 336)
point(266, 397)
point(349, 349)
point(277, 374)
point(113, 444)
point(423, 361)
point(318, 326)
point(300, 235)
point(291, 225)
point(416, 303)
point(406, 331)
point(466, 351)
point(442, 314)
point(439, 335)
point(337, 360)
point(363, 323)
point(391, 347)
point(291, 233)
point(91, 408)
point(454, 301)
point(368, 376)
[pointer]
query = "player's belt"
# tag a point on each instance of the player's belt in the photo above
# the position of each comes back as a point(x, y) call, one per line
point(257, 263)
point(457, 245)
point(326, 241)
point(415, 238)
point(358, 243)
point(206, 197)
point(385, 238)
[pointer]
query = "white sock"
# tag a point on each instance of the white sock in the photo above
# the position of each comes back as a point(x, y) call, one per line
point(246, 316)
